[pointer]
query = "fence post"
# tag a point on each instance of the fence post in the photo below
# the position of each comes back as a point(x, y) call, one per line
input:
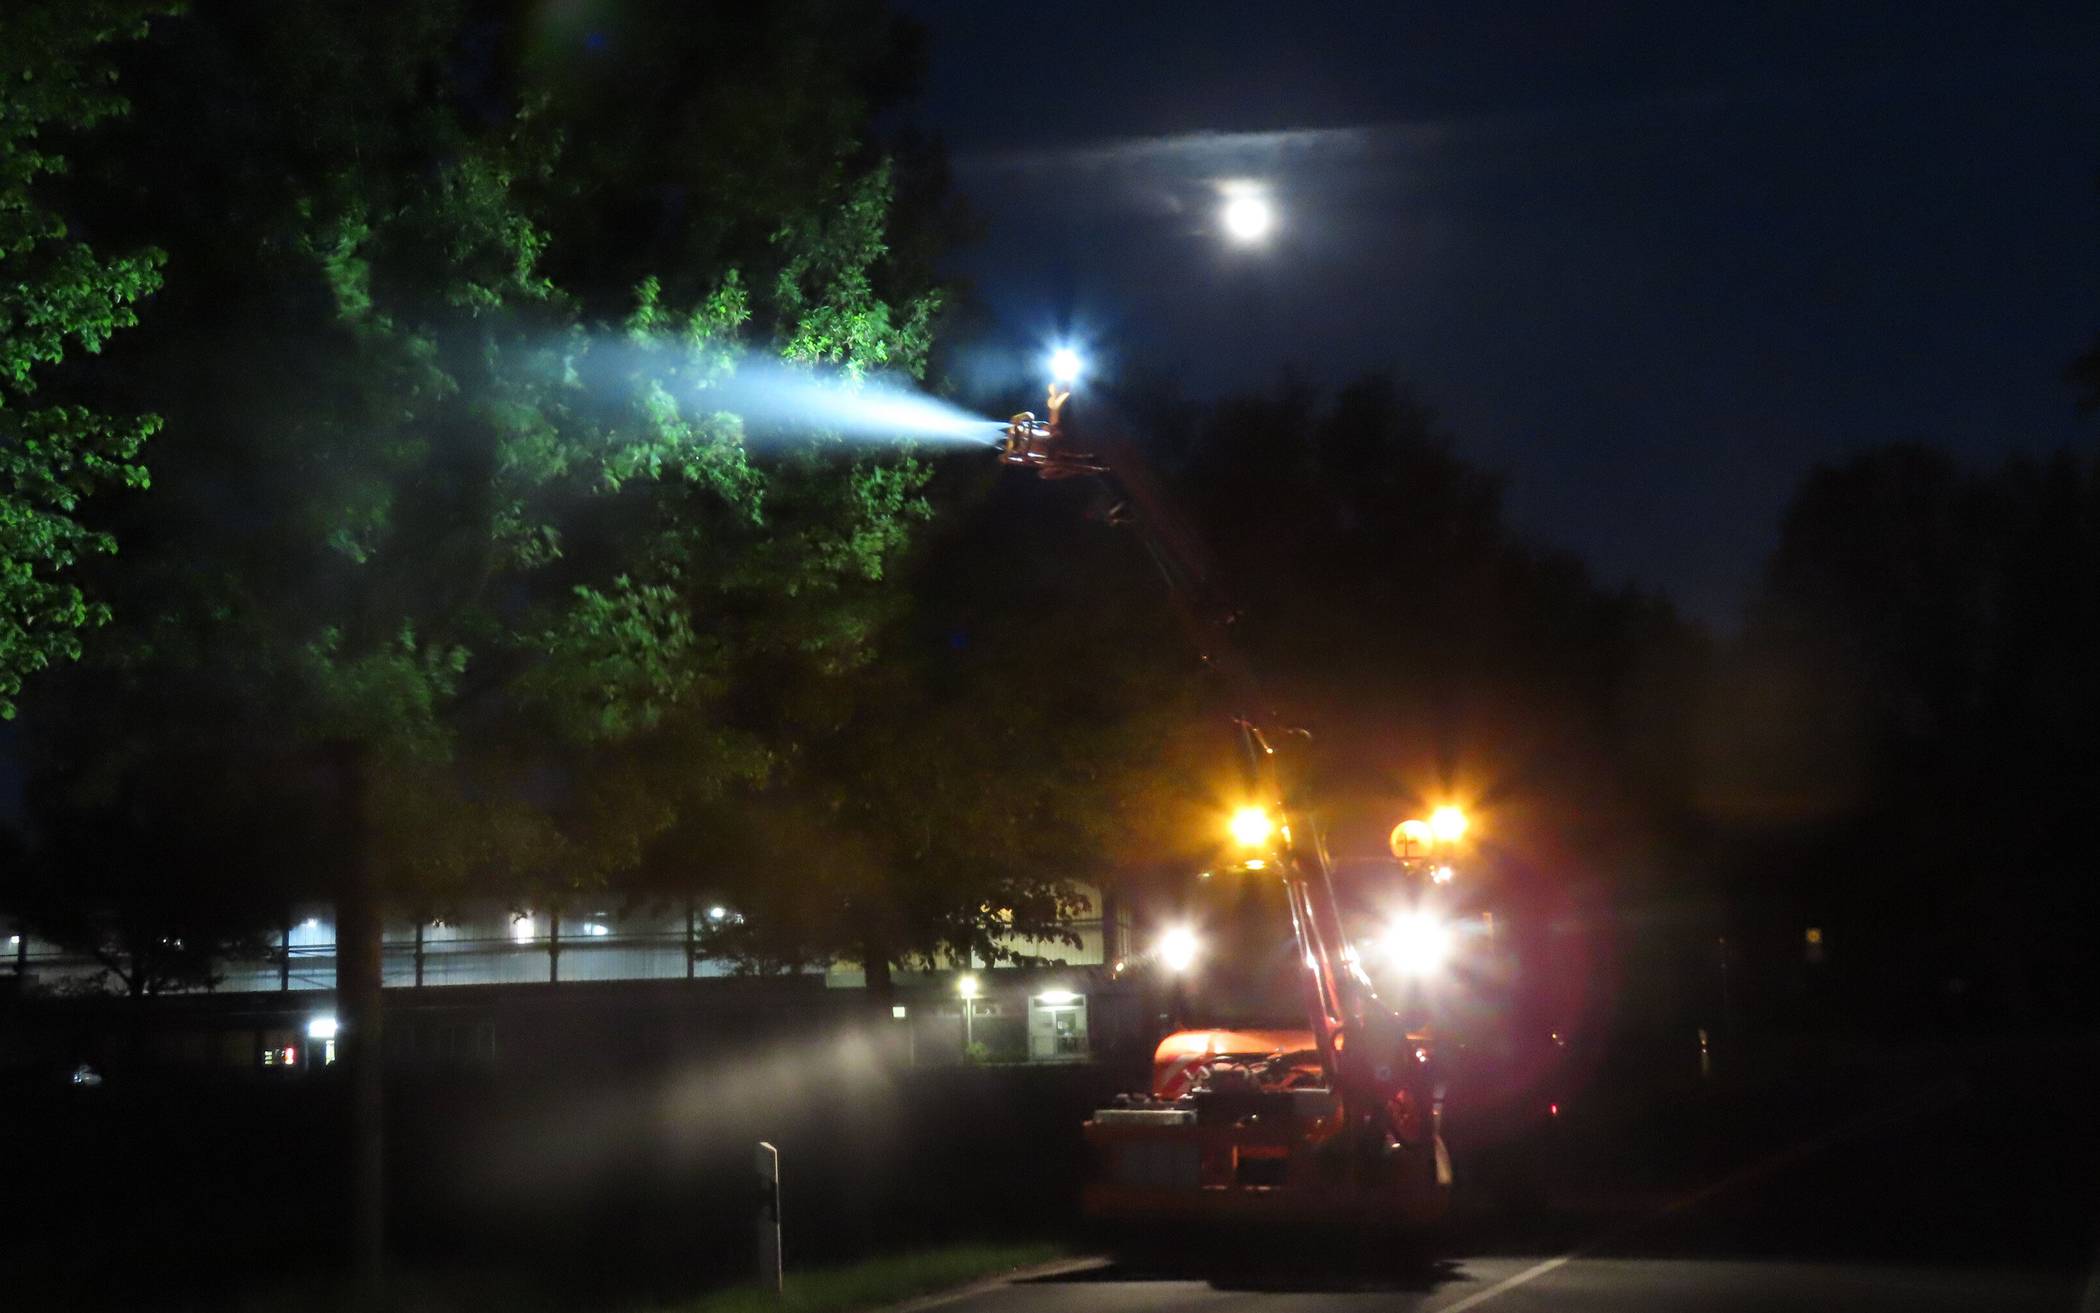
point(768, 1218)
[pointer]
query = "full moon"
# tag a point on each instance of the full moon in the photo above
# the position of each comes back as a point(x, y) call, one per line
point(1248, 217)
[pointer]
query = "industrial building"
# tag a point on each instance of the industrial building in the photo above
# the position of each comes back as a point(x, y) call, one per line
point(494, 987)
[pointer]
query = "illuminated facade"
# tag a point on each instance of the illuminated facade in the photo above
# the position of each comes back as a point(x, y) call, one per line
point(460, 976)
point(499, 946)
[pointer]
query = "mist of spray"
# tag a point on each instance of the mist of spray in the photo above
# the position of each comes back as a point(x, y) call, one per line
point(780, 400)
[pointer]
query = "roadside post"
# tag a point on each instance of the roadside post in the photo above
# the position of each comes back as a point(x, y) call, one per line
point(768, 1219)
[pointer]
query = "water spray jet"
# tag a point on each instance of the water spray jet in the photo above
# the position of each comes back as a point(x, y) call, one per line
point(777, 398)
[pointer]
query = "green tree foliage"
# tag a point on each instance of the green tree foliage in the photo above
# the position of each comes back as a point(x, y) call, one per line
point(58, 297)
point(1015, 749)
point(443, 478)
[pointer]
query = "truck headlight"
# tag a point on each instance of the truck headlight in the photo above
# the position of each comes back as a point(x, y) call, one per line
point(1416, 944)
point(1177, 949)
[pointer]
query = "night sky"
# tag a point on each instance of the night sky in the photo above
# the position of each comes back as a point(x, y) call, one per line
point(1650, 261)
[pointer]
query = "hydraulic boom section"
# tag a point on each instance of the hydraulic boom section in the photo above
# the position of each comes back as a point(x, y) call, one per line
point(1256, 1134)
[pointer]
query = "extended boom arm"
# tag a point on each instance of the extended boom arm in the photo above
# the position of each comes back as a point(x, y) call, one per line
point(1372, 1065)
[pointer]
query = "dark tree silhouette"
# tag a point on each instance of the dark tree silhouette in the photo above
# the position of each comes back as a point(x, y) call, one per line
point(1916, 744)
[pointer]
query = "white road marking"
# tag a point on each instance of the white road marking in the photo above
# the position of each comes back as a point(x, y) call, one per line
point(1531, 1273)
point(1945, 1095)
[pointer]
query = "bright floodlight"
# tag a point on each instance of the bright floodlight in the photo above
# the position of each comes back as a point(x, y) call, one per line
point(1177, 949)
point(1448, 824)
point(1066, 366)
point(323, 1027)
point(1251, 827)
point(967, 986)
point(1248, 217)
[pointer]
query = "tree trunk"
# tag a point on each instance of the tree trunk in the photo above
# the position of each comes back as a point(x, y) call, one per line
point(135, 1041)
point(362, 1048)
point(875, 960)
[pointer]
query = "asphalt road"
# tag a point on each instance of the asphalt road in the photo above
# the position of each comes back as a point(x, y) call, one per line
point(1970, 1190)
